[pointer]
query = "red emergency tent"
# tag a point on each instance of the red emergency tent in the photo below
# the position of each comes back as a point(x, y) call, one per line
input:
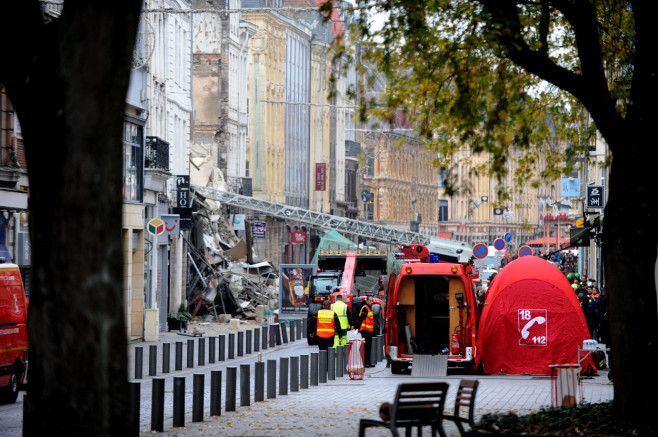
point(531, 319)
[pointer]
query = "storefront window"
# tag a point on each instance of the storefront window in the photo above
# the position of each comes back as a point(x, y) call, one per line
point(133, 159)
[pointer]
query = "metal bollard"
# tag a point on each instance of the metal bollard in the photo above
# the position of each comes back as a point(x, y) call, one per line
point(272, 335)
point(211, 350)
point(283, 375)
point(292, 330)
point(373, 350)
point(153, 360)
point(197, 397)
point(303, 364)
point(248, 342)
point(314, 368)
point(179, 401)
point(331, 363)
point(322, 369)
point(190, 354)
point(139, 358)
point(380, 348)
point(271, 379)
point(265, 337)
point(277, 331)
point(259, 383)
point(240, 343)
point(245, 388)
point(178, 365)
point(231, 381)
point(294, 374)
point(304, 328)
point(256, 339)
point(166, 357)
point(157, 404)
point(231, 346)
point(340, 366)
point(222, 347)
point(135, 395)
point(298, 328)
point(201, 360)
point(215, 392)
point(374, 353)
point(284, 332)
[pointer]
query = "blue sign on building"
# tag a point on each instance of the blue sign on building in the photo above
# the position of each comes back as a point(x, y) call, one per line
point(570, 187)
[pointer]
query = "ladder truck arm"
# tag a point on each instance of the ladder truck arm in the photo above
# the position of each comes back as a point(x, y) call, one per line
point(341, 224)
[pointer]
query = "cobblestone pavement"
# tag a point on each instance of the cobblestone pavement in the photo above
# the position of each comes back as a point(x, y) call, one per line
point(335, 407)
point(327, 409)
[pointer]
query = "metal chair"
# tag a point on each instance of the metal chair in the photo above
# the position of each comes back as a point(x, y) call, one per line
point(415, 405)
point(465, 398)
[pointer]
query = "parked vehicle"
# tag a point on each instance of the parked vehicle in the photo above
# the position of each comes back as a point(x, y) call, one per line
point(13, 333)
point(431, 309)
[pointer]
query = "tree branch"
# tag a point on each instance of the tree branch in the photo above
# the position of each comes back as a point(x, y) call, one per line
point(590, 86)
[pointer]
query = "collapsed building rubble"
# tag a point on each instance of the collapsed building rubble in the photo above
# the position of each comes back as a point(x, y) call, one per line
point(220, 284)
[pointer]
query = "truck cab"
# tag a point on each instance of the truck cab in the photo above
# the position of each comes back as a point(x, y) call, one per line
point(320, 287)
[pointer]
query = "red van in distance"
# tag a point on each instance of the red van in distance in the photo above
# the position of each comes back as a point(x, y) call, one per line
point(13, 332)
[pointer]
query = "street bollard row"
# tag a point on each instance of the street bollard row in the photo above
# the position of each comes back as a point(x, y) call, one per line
point(294, 373)
point(276, 334)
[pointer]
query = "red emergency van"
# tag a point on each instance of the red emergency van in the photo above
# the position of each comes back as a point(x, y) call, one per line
point(13, 333)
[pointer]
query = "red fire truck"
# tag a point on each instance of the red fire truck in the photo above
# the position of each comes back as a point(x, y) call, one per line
point(431, 309)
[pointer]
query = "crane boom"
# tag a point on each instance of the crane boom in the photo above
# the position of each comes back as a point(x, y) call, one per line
point(341, 224)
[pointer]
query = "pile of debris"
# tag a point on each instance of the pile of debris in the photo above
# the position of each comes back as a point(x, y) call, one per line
point(220, 283)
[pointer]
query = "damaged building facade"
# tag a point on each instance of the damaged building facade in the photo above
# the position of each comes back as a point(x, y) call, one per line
point(263, 127)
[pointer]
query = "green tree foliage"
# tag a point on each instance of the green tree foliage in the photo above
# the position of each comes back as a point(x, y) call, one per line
point(525, 78)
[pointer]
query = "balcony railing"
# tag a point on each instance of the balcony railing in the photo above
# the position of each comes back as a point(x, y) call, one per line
point(156, 154)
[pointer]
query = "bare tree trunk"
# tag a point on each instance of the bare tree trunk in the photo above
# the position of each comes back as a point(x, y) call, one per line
point(67, 81)
point(630, 246)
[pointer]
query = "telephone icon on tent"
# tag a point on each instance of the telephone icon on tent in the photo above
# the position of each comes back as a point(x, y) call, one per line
point(525, 331)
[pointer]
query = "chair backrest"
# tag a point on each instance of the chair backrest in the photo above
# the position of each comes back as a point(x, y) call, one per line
point(419, 402)
point(466, 398)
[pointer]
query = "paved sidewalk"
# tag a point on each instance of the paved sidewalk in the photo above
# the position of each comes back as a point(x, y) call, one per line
point(335, 407)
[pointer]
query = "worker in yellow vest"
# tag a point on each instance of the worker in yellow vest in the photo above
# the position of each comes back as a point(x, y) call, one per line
point(344, 314)
point(326, 325)
point(367, 326)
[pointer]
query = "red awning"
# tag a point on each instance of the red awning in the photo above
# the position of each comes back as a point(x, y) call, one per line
point(544, 240)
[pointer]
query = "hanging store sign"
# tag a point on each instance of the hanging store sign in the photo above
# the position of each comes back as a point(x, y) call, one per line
point(172, 224)
point(570, 187)
point(595, 196)
point(258, 229)
point(155, 226)
point(298, 237)
point(320, 176)
point(183, 191)
point(238, 222)
point(185, 215)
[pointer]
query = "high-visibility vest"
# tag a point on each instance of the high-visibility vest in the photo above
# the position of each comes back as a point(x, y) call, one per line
point(369, 322)
point(340, 308)
point(326, 324)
